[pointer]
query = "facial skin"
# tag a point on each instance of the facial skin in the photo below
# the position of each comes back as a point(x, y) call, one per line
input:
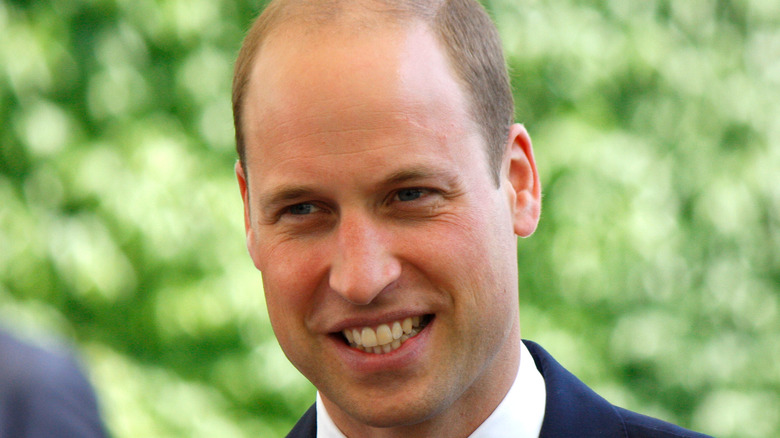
point(369, 200)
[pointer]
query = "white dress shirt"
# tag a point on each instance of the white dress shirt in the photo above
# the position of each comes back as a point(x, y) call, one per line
point(519, 415)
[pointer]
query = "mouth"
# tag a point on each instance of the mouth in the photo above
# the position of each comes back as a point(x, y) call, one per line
point(387, 337)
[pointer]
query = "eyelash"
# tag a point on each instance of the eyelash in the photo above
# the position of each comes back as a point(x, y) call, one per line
point(289, 209)
point(421, 193)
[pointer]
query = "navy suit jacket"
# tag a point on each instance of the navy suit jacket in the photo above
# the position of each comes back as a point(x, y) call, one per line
point(572, 410)
point(43, 394)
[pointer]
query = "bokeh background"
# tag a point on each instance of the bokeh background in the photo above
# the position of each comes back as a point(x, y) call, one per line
point(654, 275)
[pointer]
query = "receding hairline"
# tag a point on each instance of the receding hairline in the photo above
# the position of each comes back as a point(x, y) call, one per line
point(329, 11)
point(489, 102)
point(311, 16)
point(298, 30)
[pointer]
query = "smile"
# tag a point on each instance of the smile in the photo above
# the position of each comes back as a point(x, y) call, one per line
point(385, 337)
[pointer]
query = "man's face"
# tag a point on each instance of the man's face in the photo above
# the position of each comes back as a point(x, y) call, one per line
point(369, 206)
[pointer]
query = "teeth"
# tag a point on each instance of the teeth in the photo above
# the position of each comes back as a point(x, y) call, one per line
point(368, 336)
point(407, 325)
point(384, 335)
point(384, 338)
point(397, 330)
point(355, 336)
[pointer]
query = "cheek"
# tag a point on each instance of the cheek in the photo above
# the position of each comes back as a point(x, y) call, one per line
point(281, 308)
point(476, 259)
point(454, 253)
point(483, 236)
point(290, 280)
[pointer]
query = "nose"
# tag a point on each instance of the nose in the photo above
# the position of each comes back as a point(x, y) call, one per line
point(363, 264)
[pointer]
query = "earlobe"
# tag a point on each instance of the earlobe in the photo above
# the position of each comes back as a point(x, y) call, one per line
point(520, 171)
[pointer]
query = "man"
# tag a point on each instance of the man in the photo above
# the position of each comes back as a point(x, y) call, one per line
point(383, 184)
point(43, 394)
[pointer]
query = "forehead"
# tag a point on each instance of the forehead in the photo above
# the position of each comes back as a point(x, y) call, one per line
point(343, 90)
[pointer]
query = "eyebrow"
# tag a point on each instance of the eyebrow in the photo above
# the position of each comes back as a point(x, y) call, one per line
point(408, 174)
point(283, 195)
point(419, 173)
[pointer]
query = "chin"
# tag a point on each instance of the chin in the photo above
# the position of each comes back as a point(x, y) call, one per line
point(398, 413)
point(387, 418)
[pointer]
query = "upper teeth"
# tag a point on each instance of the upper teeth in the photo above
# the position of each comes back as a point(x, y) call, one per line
point(385, 337)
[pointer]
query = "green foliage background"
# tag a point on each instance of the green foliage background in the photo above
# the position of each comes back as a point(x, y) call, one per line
point(654, 275)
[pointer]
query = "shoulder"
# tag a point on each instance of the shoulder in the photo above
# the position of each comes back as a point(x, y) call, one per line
point(28, 368)
point(638, 425)
point(44, 392)
point(573, 409)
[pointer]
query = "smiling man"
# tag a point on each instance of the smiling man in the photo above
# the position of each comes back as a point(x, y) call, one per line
point(384, 185)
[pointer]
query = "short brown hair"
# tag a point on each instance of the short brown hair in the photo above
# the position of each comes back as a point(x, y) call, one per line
point(463, 28)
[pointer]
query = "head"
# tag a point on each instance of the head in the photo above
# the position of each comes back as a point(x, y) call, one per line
point(384, 233)
point(464, 30)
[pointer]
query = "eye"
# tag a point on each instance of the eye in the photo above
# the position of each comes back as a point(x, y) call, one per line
point(302, 209)
point(406, 195)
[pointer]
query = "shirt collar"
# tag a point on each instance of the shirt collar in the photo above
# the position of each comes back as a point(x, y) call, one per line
point(326, 428)
point(519, 414)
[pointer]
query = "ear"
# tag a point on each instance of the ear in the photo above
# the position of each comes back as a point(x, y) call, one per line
point(519, 173)
point(250, 234)
point(242, 185)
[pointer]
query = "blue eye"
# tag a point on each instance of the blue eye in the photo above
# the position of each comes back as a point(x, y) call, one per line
point(301, 209)
point(406, 195)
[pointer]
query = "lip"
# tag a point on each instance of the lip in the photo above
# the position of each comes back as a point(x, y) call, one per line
point(362, 363)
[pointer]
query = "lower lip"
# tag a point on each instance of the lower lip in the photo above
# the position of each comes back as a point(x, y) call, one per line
point(368, 363)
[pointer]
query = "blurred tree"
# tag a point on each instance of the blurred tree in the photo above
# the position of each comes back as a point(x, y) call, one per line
point(655, 274)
